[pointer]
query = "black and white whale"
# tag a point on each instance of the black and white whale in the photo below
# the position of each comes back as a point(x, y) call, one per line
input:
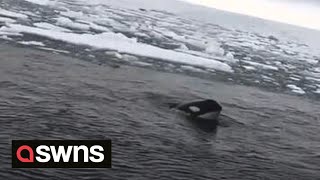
point(208, 109)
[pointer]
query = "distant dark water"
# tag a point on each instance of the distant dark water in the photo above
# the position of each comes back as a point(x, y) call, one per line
point(47, 96)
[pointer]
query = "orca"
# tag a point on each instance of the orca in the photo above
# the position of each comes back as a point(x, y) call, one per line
point(207, 109)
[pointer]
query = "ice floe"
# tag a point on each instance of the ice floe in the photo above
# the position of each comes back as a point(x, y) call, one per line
point(43, 2)
point(66, 22)
point(8, 33)
point(168, 35)
point(230, 57)
point(35, 43)
point(192, 69)
point(249, 68)
point(114, 54)
point(49, 26)
point(5, 37)
point(214, 48)
point(296, 89)
point(121, 43)
point(264, 66)
point(7, 20)
point(12, 14)
point(54, 50)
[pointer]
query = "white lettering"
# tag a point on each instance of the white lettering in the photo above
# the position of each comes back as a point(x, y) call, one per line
point(61, 152)
point(41, 151)
point(76, 150)
point(96, 153)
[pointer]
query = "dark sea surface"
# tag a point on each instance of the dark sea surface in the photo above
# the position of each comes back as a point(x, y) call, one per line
point(263, 135)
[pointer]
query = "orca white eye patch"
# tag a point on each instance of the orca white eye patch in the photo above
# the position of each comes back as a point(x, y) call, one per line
point(194, 109)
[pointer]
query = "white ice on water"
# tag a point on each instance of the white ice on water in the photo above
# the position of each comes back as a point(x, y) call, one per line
point(52, 27)
point(7, 20)
point(296, 89)
point(12, 14)
point(178, 33)
point(43, 2)
point(119, 42)
point(66, 22)
point(35, 43)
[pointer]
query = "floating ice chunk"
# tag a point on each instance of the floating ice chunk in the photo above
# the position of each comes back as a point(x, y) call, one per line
point(171, 34)
point(295, 79)
point(73, 14)
point(35, 43)
point(145, 27)
point(120, 43)
point(54, 50)
point(29, 13)
point(214, 48)
point(193, 69)
point(128, 57)
point(7, 20)
point(196, 43)
point(267, 78)
point(8, 33)
point(113, 23)
point(140, 34)
point(91, 56)
point(48, 26)
point(42, 2)
point(313, 79)
point(98, 27)
point(296, 89)
point(66, 22)
point(140, 63)
point(7, 13)
point(183, 47)
point(263, 66)
point(249, 68)
point(5, 37)
point(91, 25)
point(63, 21)
point(278, 63)
point(247, 58)
point(113, 54)
point(313, 75)
point(230, 57)
point(156, 35)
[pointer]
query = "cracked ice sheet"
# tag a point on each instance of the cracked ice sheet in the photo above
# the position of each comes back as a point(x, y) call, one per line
point(119, 42)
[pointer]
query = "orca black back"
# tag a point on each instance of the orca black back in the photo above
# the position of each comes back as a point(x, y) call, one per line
point(204, 106)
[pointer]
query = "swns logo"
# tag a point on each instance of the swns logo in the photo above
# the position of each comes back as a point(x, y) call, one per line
point(61, 154)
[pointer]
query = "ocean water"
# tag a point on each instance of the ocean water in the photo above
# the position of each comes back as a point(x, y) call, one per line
point(48, 96)
point(109, 70)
